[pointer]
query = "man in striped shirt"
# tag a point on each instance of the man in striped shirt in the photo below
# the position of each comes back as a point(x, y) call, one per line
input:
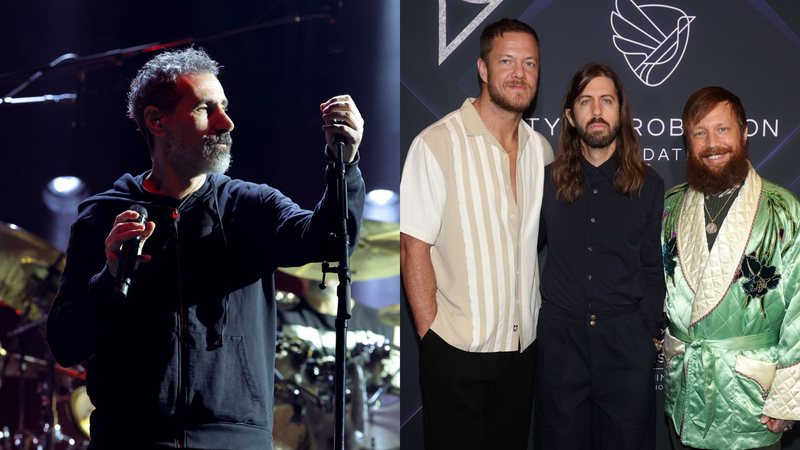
point(471, 192)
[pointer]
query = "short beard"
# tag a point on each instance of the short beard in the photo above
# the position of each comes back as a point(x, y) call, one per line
point(501, 101)
point(212, 158)
point(598, 140)
point(218, 156)
point(704, 180)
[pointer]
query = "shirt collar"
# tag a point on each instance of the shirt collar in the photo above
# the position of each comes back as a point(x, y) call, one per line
point(608, 168)
point(474, 126)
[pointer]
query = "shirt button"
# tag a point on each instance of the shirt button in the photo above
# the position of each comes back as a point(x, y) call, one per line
point(589, 277)
point(595, 191)
point(516, 327)
point(592, 219)
point(590, 249)
point(592, 323)
point(594, 317)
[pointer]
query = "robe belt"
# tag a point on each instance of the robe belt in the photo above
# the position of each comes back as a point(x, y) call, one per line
point(708, 362)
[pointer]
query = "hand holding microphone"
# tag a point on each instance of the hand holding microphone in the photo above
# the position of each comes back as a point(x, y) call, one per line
point(342, 122)
point(123, 244)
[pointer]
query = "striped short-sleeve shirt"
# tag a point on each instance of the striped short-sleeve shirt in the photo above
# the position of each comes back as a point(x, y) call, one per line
point(456, 195)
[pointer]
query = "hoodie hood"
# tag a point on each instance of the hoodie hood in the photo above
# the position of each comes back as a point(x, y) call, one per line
point(129, 189)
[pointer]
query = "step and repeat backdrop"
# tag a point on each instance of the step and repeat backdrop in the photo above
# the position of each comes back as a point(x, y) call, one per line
point(750, 47)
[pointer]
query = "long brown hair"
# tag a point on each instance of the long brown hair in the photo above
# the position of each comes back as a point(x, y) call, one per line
point(566, 173)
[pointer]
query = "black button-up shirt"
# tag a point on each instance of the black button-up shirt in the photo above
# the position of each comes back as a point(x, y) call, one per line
point(604, 249)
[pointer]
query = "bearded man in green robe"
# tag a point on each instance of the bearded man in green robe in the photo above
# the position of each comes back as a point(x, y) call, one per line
point(731, 243)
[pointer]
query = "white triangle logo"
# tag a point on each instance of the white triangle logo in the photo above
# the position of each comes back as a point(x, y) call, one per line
point(446, 49)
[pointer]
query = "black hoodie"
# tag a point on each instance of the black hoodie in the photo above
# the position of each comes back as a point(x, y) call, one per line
point(187, 359)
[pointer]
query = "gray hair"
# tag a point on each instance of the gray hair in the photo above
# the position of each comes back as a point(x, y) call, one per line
point(155, 82)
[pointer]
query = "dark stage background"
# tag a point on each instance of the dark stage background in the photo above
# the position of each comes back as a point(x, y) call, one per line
point(274, 77)
point(750, 47)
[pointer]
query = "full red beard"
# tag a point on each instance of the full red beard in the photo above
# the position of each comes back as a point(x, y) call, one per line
point(703, 179)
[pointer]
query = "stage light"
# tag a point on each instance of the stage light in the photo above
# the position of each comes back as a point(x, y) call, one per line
point(382, 197)
point(383, 205)
point(66, 185)
point(62, 195)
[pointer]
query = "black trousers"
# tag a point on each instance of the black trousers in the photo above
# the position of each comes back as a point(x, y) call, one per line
point(595, 386)
point(475, 400)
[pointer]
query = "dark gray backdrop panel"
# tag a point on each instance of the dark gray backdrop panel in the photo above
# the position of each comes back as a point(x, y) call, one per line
point(750, 47)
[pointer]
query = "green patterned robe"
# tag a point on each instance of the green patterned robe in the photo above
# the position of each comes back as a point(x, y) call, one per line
point(733, 344)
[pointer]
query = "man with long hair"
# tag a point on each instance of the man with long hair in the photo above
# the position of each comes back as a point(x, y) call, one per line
point(469, 218)
point(731, 244)
point(603, 282)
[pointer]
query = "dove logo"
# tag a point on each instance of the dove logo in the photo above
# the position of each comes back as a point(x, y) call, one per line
point(652, 38)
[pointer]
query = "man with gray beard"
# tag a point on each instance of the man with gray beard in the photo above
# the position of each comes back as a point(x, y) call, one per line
point(731, 250)
point(184, 356)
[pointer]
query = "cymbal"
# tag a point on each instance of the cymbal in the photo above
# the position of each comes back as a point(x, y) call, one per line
point(29, 271)
point(377, 254)
point(390, 315)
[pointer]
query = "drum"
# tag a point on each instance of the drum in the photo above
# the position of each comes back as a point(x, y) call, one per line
point(381, 364)
point(291, 357)
point(28, 417)
point(305, 389)
point(23, 369)
point(320, 378)
point(289, 430)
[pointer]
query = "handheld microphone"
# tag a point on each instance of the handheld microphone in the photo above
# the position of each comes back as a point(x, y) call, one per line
point(127, 260)
point(339, 137)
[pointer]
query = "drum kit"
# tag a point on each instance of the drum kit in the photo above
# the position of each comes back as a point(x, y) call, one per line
point(42, 405)
point(304, 384)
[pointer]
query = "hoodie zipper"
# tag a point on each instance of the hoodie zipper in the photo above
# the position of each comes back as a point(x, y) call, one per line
point(183, 360)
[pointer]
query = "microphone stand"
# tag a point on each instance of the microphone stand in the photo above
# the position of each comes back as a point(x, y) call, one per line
point(118, 56)
point(68, 97)
point(343, 294)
